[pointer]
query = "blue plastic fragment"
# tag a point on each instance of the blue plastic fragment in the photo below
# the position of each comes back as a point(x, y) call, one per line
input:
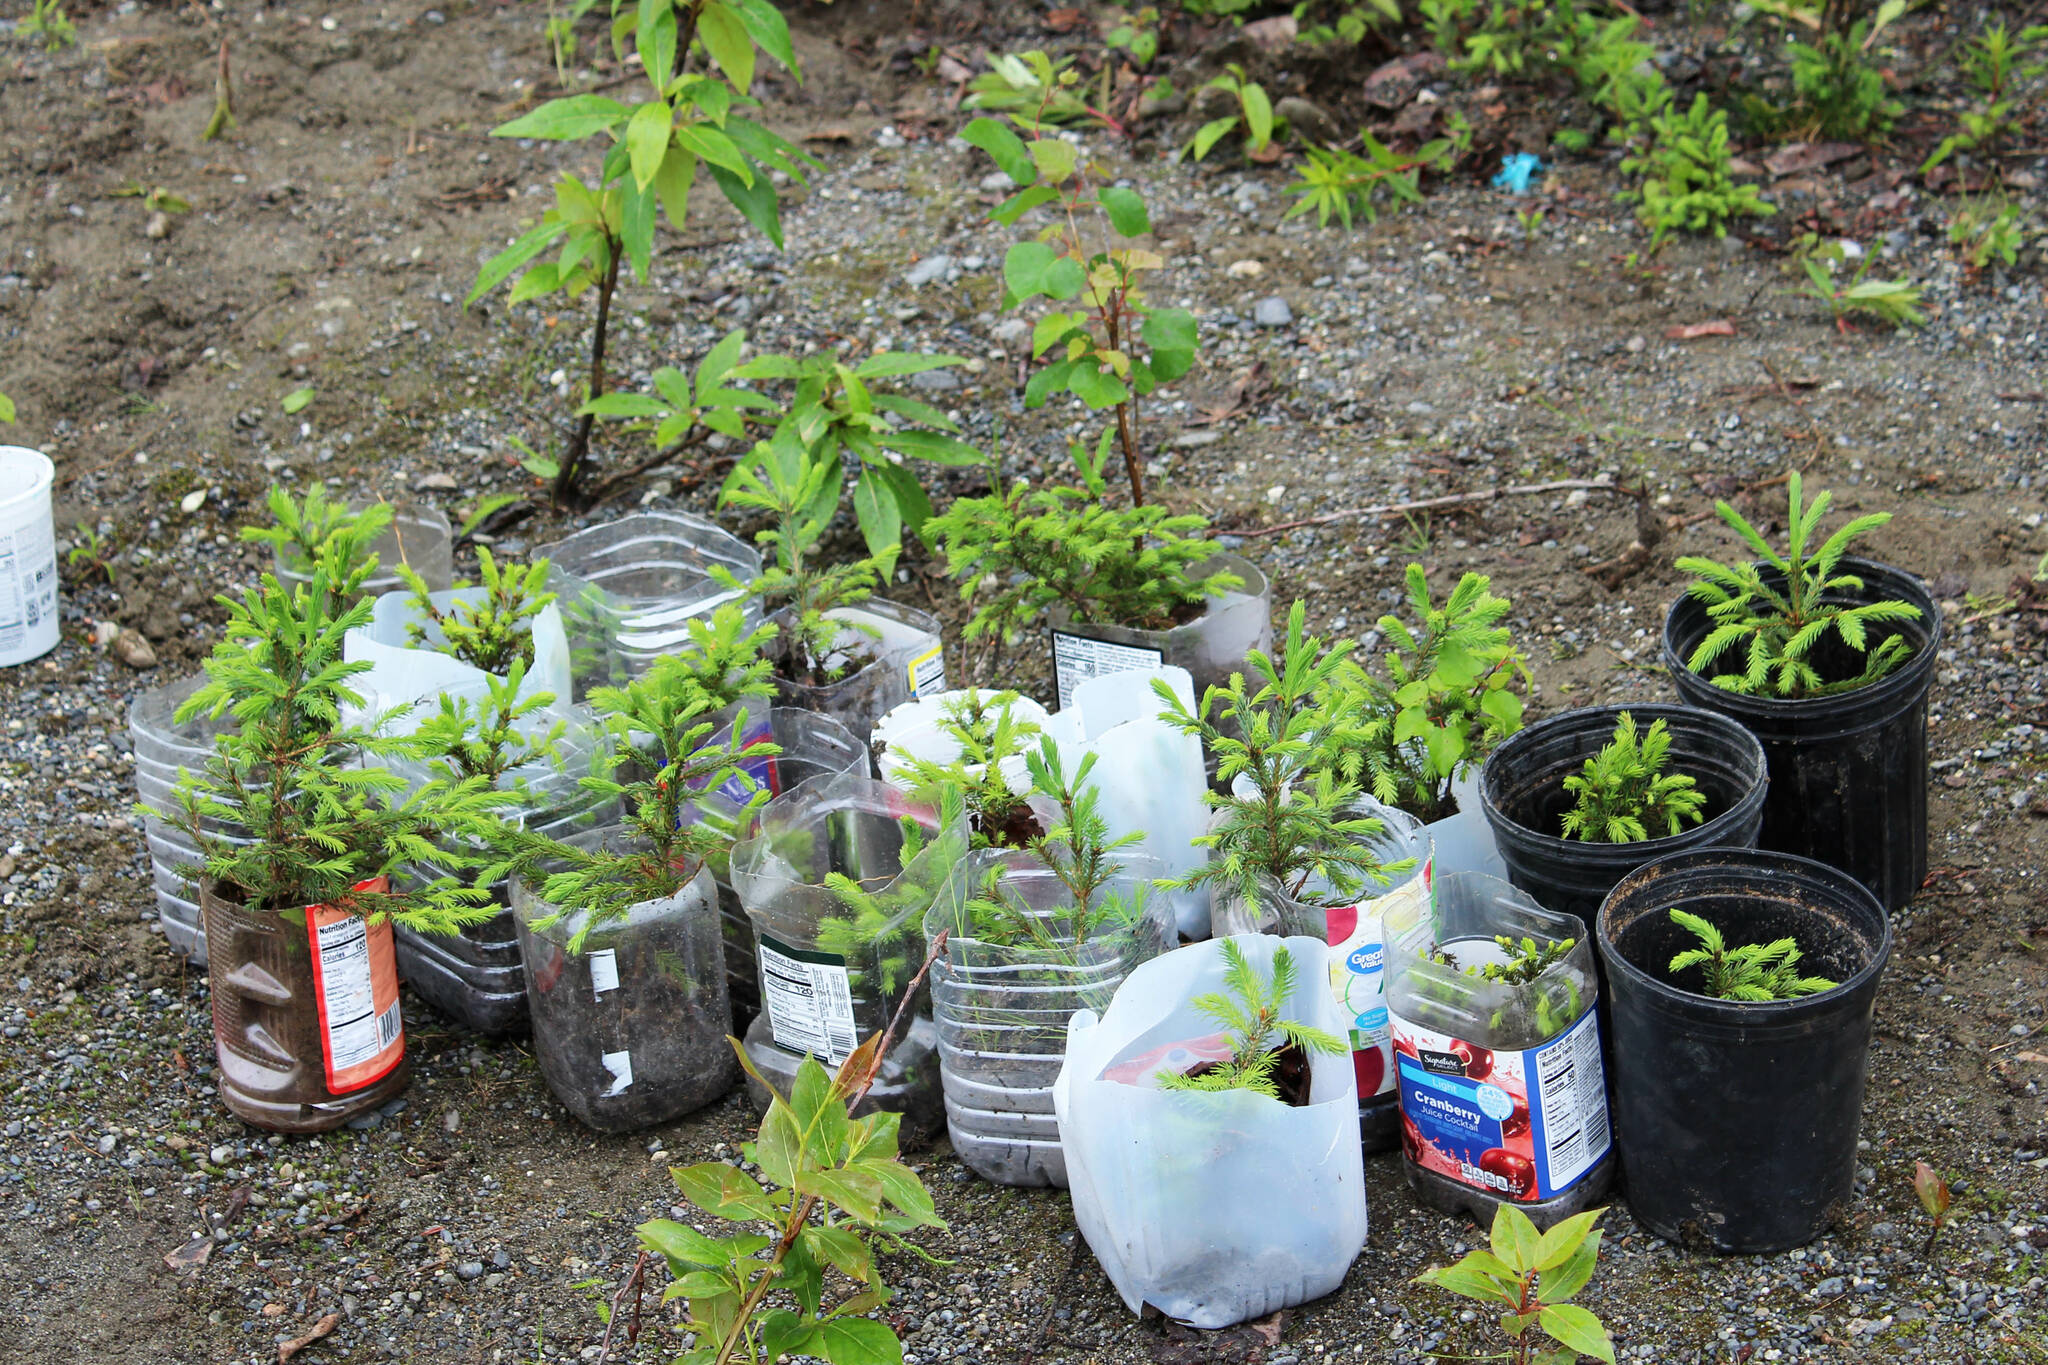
point(1516, 170)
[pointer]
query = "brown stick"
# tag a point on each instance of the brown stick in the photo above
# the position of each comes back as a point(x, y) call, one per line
point(613, 482)
point(1395, 509)
point(633, 1282)
point(579, 444)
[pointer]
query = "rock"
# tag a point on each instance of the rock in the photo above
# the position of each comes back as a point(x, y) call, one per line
point(1012, 334)
point(1244, 270)
point(221, 1156)
point(930, 270)
point(104, 633)
point(192, 501)
point(107, 1144)
point(362, 1123)
point(158, 227)
point(434, 483)
point(1272, 311)
point(469, 1270)
point(1272, 35)
point(1308, 119)
point(131, 649)
point(998, 182)
point(1189, 440)
point(451, 1120)
point(935, 381)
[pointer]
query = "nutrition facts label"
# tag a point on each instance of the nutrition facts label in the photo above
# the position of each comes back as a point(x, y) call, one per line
point(1077, 658)
point(809, 1001)
point(358, 1031)
point(928, 673)
point(1571, 1090)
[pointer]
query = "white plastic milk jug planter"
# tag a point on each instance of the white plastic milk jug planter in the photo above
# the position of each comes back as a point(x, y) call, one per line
point(630, 587)
point(1211, 647)
point(1149, 775)
point(401, 673)
point(630, 1030)
point(28, 556)
point(1503, 1086)
point(916, 730)
point(831, 973)
point(1358, 935)
point(1463, 841)
point(904, 657)
point(1213, 1207)
point(1002, 1008)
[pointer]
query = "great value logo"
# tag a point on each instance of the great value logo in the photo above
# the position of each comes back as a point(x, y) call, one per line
point(1367, 958)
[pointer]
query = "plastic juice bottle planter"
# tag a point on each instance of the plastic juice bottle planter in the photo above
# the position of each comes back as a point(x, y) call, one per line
point(1503, 1092)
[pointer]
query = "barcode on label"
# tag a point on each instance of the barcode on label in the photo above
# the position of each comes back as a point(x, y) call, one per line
point(389, 1026)
point(808, 999)
point(928, 673)
point(1573, 1095)
point(1077, 658)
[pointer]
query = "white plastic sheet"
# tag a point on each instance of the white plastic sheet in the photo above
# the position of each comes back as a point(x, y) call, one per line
point(401, 672)
point(1213, 1207)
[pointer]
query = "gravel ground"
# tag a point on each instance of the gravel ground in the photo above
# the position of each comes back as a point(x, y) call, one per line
point(1436, 352)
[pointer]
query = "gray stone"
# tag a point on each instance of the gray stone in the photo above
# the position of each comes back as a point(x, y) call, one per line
point(935, 381)
point(930, 270)
point(469, 1270)
point(1272, 311)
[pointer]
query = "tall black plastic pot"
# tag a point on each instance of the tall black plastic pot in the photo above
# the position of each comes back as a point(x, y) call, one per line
point(1522, 792)
point(1737, 1121)
point(1848, 772)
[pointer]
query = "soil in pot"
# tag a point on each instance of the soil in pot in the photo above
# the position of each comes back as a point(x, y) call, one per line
point(306, 1021)
point(1502, 1085)
point(631, 1030)
point(903, 659)
point(1523, 795)
point(1738, 1121)
point(1848, 772)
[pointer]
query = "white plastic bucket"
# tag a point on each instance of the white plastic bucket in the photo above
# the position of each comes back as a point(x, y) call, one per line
point(28, 556)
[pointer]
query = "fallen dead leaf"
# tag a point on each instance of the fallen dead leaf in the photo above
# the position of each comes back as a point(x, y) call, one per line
point(2030, 1057)
point(1692, 331)
point(287, 1349)
point(831, 132)
point(190, 1256)
point(1809, 156)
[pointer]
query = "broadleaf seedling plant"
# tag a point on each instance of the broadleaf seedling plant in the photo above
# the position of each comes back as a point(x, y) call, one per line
point(1894, 302)
point(1935, 1199)
point(1113, 347)
point(1252, 119)
point(687, 122)
point(1276, 733)
point(1624, 793)
point(1533, 1277)
point(1753, 972)
point(1688, 178)
point(1251, 1010)
point(1336, 182)
point(1772, 619)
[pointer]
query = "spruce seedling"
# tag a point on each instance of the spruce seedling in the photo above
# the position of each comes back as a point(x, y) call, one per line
point(723, 659)
point(1753, 972)
point(1625, 793)
point(1771, 619)
point(489, 634)
point(879, 930)
point(989, 734)
point(1448, 697)
point(1249, 1009)
point(1279, 732)
point(1533, 1276)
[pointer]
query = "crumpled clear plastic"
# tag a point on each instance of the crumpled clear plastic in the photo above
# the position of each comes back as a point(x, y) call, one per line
point(401, 672)
point(1214, 1208)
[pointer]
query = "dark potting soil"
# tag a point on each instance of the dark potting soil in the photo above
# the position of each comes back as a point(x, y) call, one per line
point(1292, 1074)
point(1019, 831)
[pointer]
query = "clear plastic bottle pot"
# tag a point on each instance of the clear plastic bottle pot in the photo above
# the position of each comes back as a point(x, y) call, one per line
point(1213, 1207)
point(1463, 841)
point(1503, 1086)
point(306, 1022)
point(1357, 934)
point(1211, 647)
point(629, 588)
point(419, 536)
point(1001, 1006)
point(893, 654)
point(812, 746)
point(1738, 1120)
point(632, 1029)
point(1149, 776)
point(403, 673)
point(1523, 794)
point(163, 747)
point(1848, 771)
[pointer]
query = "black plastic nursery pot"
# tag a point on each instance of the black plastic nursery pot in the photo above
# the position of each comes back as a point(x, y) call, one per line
point(1849, 771)
point(1523, 794)
point(1737, 1121)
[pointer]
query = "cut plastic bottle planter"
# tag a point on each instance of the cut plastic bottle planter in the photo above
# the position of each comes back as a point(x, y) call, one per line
point(419, 537)
point(401, 672)
point(1001, 1004)
point(1214, 1208)
point(164, 747)
point(1503, 1091)
point(830, 974)
point(630, 588)
point(906, 660)
point(1211, 647)
point(632, 1029)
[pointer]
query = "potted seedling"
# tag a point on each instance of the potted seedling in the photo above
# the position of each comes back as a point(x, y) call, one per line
point(975, 742)
point(1033, 935)
point(1741, 985)
point(619, 926)
point(1294, 848)
point(420, 642)
point(307, 1028)
point(836, 875)
point(535, 752)
point(1579, 800)
point(1123, 587)
point(1207, 1119)
point(1827, 659)
point(840, 649)
point(1448, 694)
point(1503, 1096)
point(418, 537)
